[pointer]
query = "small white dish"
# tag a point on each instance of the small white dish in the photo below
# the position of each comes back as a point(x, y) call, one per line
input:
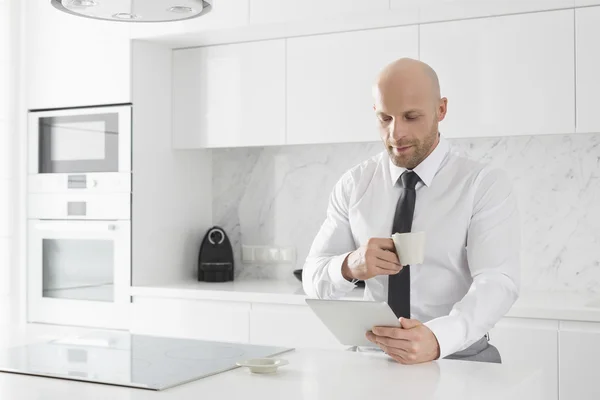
point(263, 365)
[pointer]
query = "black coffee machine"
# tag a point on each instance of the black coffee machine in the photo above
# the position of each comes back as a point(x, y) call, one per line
point(215, 261)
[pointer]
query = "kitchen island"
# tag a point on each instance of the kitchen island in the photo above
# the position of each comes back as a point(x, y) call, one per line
point(311, 374)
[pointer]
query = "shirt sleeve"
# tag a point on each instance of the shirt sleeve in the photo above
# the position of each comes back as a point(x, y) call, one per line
point(493, 254)
point(322, 272)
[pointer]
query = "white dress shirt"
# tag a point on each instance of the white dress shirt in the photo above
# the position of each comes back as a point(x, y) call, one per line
point(470, 276)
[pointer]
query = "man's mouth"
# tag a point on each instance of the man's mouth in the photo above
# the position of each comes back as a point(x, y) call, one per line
point(401, 149)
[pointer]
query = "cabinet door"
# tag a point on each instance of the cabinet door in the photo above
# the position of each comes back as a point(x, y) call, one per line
point(74, 61)
point(269, 11)
point(503, 76)
point(440, 10)
point(579, 344)
point(293, 326)
point(587, 22)
point(229, 96)
point(221, 321)
point(330, 79)
point(530, 343)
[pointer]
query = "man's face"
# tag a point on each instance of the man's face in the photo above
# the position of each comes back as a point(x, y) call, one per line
point(408, 117)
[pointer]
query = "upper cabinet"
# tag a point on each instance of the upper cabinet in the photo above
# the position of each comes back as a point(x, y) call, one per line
point(330, 78)
point(511, 75)
point(588, 65)
point(271, 11)
point(230, 95)
point(444, 10)
point(73, 61)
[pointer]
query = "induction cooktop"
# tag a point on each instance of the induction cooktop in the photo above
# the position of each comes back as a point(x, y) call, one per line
point(124, 359)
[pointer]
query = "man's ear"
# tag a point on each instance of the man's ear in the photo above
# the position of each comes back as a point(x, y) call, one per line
point(442, 109)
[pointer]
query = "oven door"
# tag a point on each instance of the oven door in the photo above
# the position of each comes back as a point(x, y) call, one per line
point(66, 145)
point(79, 272)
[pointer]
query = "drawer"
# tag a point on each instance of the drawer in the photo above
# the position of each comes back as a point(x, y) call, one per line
point(222, 321)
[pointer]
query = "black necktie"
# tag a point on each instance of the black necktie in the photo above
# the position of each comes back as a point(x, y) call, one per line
point(399, 284)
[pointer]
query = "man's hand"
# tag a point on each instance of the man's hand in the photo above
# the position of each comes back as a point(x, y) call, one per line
point(413, 343)
point(377, 257)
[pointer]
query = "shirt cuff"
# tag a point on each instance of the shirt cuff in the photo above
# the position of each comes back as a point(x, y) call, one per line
point(450, 332)
point(335, 274)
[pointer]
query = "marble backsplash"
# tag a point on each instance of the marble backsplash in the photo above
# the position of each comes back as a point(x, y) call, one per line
point(278, 196)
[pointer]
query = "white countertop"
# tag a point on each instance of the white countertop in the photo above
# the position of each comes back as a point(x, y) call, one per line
point(259, 291)
point(311, 374)
point(566, 306)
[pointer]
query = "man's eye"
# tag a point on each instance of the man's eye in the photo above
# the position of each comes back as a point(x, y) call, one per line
point(386, 118)
point(411, 117)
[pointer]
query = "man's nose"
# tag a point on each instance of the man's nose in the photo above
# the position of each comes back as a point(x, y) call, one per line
point(398, 130)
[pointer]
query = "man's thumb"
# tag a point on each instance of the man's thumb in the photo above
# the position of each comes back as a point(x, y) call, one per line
point(407, 323)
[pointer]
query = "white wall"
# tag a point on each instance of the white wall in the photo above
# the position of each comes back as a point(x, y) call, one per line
point(6, 146)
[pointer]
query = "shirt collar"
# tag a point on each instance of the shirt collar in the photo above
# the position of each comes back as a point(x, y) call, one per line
point(428, 167)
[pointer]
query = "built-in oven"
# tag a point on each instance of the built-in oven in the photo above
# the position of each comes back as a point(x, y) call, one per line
point(79, 266)
point(80, 148)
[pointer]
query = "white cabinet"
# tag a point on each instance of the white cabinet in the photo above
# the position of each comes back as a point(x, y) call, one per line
point(587, 22)
point(330, 78)
point(229, 96)
point(440, 10)
point(510, 75)
point(225, 14)
point(287, 325)
point(531, 343)
point(269, 11)
point(191, 319)
point(73, 61)
point(579, 352)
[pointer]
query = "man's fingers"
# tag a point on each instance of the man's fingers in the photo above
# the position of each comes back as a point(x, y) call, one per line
point(398, 354)
point(381, 271)
point(371, 337)
point(409, 323)
point(406, 346)
point(382, 243)
point(394, 333)
point(387, 255)
point(388, 265)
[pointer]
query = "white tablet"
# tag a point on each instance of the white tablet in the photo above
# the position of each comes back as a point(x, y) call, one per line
point(350, 320)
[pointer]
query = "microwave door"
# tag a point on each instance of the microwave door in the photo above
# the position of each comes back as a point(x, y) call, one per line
point(96, 140)
point(82, 143)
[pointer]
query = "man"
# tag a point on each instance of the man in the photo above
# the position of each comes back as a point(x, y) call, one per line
point(470, 276)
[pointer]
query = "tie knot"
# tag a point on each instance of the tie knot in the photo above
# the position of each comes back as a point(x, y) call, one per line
point(409, 179)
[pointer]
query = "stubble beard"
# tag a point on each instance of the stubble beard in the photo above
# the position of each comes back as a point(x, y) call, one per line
point(419, 151)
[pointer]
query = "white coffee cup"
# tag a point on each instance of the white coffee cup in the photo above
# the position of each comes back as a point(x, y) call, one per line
point(410, 247)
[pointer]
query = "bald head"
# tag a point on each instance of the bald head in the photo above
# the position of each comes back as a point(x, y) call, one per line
point(409, 107)
point(407, 74)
